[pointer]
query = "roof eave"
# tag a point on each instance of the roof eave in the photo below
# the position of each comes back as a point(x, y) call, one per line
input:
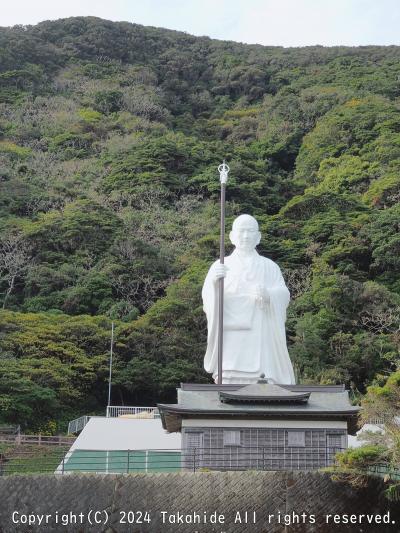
point(171, 416)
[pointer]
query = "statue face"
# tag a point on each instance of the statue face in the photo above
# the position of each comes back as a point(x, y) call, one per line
point(245, 235)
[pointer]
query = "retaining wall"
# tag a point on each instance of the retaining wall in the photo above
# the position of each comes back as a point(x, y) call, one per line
point(286, 495)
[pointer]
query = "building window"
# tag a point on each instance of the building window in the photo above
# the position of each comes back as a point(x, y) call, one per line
point(194, 439)
point(232, 438)
point(192, 456)
point(296, 438)
point(335, 441)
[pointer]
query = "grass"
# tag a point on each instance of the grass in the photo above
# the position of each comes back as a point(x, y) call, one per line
point(31, 459)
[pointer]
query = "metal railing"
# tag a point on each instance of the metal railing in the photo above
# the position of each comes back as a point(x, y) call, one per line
point(259, 458)
point(76, 426)
point(381, 421)
point(9, 430)
point(376, 421)
point(139, 412)
point(156, 460)
point(114, 411)
point(384, 470)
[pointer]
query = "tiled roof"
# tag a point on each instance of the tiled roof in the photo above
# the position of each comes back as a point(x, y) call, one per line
point(323, 403)
point(263, 393)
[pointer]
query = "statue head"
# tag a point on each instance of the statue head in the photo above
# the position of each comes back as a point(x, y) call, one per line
point(245, 234)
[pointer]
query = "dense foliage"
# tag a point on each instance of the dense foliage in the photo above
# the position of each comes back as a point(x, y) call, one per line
point(110, 134)
point(380, 449)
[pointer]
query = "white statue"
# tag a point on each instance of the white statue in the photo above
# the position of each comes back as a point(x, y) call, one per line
point(255, 302)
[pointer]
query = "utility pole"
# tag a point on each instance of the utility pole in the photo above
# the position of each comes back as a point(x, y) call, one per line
point(111, 361)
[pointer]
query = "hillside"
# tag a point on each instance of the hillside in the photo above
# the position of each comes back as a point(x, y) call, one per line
point(110, 135)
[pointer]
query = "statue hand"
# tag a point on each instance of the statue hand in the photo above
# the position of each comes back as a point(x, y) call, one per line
point(219, 271)
point(262, 297)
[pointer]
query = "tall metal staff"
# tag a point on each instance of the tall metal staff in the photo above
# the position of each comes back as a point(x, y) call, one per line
point(223, 178)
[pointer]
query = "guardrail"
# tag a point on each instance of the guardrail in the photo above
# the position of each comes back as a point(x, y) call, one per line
point(383, 470)
point(114, 411)
point(139, 412)
point(376, 421)
point(9, 430)
point(75, 426)
point(381, 421)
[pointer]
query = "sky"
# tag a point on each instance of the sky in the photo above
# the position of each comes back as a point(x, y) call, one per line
point(267, 22)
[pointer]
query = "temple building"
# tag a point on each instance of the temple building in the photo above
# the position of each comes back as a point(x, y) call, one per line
point(261, 426)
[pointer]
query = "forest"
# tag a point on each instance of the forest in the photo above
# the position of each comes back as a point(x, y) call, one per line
point(110, 138)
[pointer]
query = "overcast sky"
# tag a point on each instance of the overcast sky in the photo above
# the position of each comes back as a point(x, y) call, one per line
point(268, 22)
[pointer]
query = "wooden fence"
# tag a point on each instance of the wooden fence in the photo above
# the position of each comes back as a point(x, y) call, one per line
point(38, 440)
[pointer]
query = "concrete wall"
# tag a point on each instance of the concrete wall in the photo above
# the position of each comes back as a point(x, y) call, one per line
point(228, 493)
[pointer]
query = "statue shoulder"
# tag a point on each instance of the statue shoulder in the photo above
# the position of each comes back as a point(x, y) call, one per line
point(271, 268)
point(269, 262)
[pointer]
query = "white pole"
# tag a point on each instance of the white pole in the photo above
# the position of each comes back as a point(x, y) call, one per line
point(111, 360)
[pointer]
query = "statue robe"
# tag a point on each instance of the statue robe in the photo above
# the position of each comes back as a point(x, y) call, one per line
point(254, 339)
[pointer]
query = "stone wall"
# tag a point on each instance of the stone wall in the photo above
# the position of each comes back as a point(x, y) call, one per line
point(286, 495)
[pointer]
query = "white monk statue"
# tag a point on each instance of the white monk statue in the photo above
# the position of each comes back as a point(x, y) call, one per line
point(255, 302)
